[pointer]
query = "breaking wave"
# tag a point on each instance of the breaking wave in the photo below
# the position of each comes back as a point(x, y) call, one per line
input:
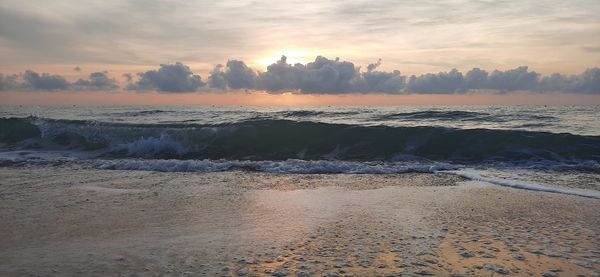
point(276, 140)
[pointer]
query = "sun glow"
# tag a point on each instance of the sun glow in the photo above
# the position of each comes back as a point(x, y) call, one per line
point(293, 57)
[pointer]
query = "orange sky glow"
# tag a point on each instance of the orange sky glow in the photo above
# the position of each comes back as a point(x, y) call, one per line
point(287, 99)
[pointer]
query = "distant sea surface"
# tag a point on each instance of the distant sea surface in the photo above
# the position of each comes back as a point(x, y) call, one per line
point(549, 139)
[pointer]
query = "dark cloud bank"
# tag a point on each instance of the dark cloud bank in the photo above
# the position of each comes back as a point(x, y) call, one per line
point(323, 76)
point(33, 81)
point(168, 78)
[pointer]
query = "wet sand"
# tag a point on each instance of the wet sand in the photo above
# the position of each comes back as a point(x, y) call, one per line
point(81, 222)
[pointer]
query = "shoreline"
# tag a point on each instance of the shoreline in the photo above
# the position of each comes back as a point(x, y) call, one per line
point(69, 221)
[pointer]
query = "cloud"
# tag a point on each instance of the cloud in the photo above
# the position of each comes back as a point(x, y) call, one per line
point(45, 81)
point(514, 79)
point(373, 66)
point(96, 81)
point(217, 79)
point(64, 32)
point(322, 76)
point(476, 79)
point(234, 75)
point(557, 82)
point(377, 81)
point(80, 32)
point(8, 82)
point(588, 82)
point(31, 80)
point(77, 68)
point(519, 78)
point(281, 76)
point(168, 78)
point(326, 76)
point(443, 82)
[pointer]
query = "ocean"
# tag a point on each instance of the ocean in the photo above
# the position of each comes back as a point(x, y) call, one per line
point(552, 148)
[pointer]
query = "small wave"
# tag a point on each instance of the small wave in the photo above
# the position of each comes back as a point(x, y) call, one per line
point(537, 117)
point(301, 113)
point(444, 116)
point(437, 115)
point(138, 113)
point(533, 125)
point(308, 113)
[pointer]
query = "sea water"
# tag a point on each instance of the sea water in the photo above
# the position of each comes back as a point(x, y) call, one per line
point(501, 143)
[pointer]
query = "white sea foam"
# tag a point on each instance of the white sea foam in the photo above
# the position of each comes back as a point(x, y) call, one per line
point(287, 166)
point(522, 185)
point(163, 144)
point(152, 147)
point(325, 166)
point(27, 157)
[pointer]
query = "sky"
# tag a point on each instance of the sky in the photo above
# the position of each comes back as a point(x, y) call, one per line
point(143, 47)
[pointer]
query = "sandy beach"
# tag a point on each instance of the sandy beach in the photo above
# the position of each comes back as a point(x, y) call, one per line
point(81, 222)
point(255, 138)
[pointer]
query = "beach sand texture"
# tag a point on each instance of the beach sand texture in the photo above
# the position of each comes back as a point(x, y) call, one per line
point(62, 221)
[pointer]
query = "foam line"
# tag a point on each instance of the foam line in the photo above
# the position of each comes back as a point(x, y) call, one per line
point(287, 166)
point(522, 185)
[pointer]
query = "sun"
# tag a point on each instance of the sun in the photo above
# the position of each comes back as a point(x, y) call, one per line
point(293, 57)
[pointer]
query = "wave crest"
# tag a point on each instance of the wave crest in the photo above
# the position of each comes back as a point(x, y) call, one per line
point(269, 139)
